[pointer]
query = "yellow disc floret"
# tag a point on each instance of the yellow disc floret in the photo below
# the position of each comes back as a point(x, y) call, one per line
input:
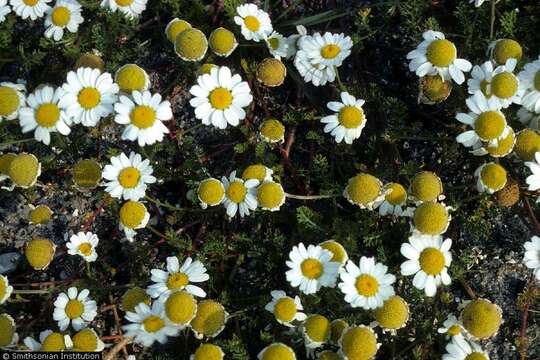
point(5, 162)
point(42, 214)
point(132, 214)
point(208, 352)
point(7, 330)
point(475, 355)
point(60, 16)
point(426, 186)
point(278, 351)
point(393, 314)
point(312, 268)
point(431, 218)
point(338, 251)
point(271, 72)
point(74, 309)
point(89, 98)
point(134, 297)
point(330, 51)
point(329, 355)
point(481, 318)
point(211, 191)
point(506, 49)
point(9, 101)
point(39, 252)
point(3, 288)
point(47, 115)
point(432, 261)
point(236, 192)
point(397, 194)
point(504, 146)
point(350, 117)
point(252, 23)
point(222, 42)
point(489, 125)
point(143, 116)
point(131, 77)
point(441, 53)
point(366, 285)
point(454, 330)
point(270, 195)
point(493, 176)
point(85, 340)
point(220, 98)
point(317, 328)
point(434, 89)
point(175, 27)
point(363, 189)
point(504, 85)
point(358, 343)
point(177, 280)
point(285, 309)
point(53, 342)
point(90, 60)
point(181, 307)
point(87, 173)
point(191, 45)
point(209, 319)
point(273, 130)
point(153, 324)
point(24, 170)
point(255, 171)
point(527, 144)
point(129, 177)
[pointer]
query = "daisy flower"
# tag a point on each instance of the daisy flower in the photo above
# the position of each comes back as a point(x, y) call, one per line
point(481, 318)
point(130, 8)
point(143, 114)
point(437, 55)
point(12, 98)
point(66, 14)
point(358, 342)
point(90, 95)
point(499, 83)
point(277, 351)
point(45, 114)
point(491, 177)
point(487, 121)
point(240, 195)
point(501, 149)
point(5, 289)
point(461, 349)
point(255, 23)
point(49, 341)
point(74, 308)
point(32, 9)
point(8, 331)
point(149, 324)
point(272, 131)
point(532, 256)
point(530, 80)
point(528, 118)
point(131, 77)
point(428, 260)
point(83, 244)
point(210, 192)
point(133, 216)
point(311, 268)
point(367, 285)
point(270, 196)
point(220, 98)
point(286, 310)
point(4, 10)
point(316, 330)
point(128, 176)
point(257, 171)
point(180, 308)
point(348, 121)
point(452, 327)
point(394, 199)
point(429, 218)
point(87, 340)
point(208, 351)
point(210, 319)
point(365, 191)
point(317, 74)
point(178, 278)
point(327, 50)
point(277, 45)
point(339, 254)
point(501, 50)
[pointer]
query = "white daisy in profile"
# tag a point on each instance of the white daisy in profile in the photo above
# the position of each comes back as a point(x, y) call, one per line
point(428, 260)
point(367, 285)
point(12, 98)
point(83, 244)
point(277, 45)
point(149, 324)
point(285, 309)
point(5, 289)
point(4, 10)
point(66, 14)
point(143, 114)
point(255, 23)
point(44, 114)
point(534, 180)
point(530, 82)
point(130, 8)
point(437, 55)
point(462, 349)
point(451, 327)
point(133, 216)
point(348, 121)
point(178, 278)
point(49, 341)
point(487, 121)
point(395, 199)
point(316, 74)
point(128, 176)
point(327, 50)
point(490, 178)
point(528, 118)
point(311, 268)
point(532, 256)
point(220, 98)
point(240, 195)
point(74, 308)
point(90, 95)
point(30, 9)
point(292, 41)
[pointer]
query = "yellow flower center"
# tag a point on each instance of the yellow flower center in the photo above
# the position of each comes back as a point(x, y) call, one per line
point(393, 314)
point(336, 329)
point(278, 352)
point(489, 125)
point(3, 287)
point(430, 218)
point(493, 176)
point(129, 177)
point(53, 342)
point(222, 41)
point(132, 214)
point(285, 309)
point(142, 116)
point(47, 115)
point(85, 249)
point(134, 297)
point(330, 51)
point(24, 169)
point(5, 162)
point(210, 318)
point(124, 2)
point(317, 328)
point(359, 343)
point(89, 98)
point(87, 173)
point(363, 189)
point(175, 27)
point(7, 330)
point(527, 144)
point(441, 53)
point(431, 261)
point(236, 192)
point(504, 146)
point(338, 252)
point(256, 171)
point(274, 43)
point(397, 195)
point(537, 81)
point(181, 307)
point(131, 77)
point(454, 330)
point(507, 49)
point(60, 16)
point(211, 191)
point(30, 2)
point(435, 88)
point(312, 268)
point(366, 285)
point(85, 340)
point(74, 309)
point(329, 355)
point(273, 129)
point(271, 72)
point(475, 355)
point(208, 352)
point(191, 44)
point(153, 324)
point(350, 117)
point(39, 253)
point(270, 195)
point(40, 215)
point(481, 318)
point(220, 98)
point(504, 85)
point(177, 281)
point(252, 23)
point(426, 186)
point(9, 101)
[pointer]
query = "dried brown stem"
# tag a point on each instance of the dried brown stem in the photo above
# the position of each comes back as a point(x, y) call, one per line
point(111, 355)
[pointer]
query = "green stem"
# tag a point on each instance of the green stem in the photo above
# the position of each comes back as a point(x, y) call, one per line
point(492, 22)
point(158, 233)
point(309, 197)
point(30, 291)
point(12, 142)
point(190, 129)
point(340, 84)
point(165, 205)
